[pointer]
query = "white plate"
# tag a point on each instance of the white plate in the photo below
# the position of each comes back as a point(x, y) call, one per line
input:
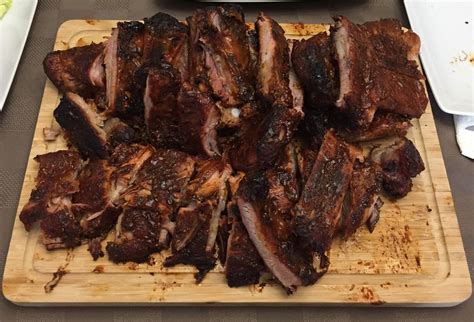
point(446, 29)
point(14, 28)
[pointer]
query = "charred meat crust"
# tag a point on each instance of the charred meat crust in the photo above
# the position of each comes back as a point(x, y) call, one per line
point(148, 203)
point(318, 210)
point(315, 65)
point(82, 126)
point(164, 36)
point(276, 132)
point(160, 99)
point(125, 97)
point(78, 70)
point(361, 202)
point(262, 141)
point(57, 178)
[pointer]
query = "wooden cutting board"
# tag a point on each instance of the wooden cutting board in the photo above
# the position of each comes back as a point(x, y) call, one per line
point(415, 256)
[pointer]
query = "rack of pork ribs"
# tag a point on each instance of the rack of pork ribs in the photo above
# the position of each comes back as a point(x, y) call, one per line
point(220, 143)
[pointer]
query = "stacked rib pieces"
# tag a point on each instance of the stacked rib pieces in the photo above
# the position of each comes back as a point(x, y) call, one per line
point(224, 144)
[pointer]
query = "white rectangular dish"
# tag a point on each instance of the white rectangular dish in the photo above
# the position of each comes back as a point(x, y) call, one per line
point(14, 28)
point(446, 28)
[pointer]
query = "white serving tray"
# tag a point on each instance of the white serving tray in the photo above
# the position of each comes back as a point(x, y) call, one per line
point(446, 29)
point(14, 28)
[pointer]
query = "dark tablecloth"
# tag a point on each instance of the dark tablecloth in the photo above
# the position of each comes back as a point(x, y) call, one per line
point(18, 118)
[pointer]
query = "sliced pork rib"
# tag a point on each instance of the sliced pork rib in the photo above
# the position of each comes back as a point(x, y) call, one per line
point(55, 183)
point(266, 133)
point(220, 58)
point(94, 196)
point(319, 120)
point(88, 130)
point(318, 210)
point(83, 125)
point(226, 51)
point(383, 124)
point(286, 261)
point(243, 264)
point(192, 233)
point(124, 56)
point(273, 62)
point(264, 137)
point(165, 40)
point(78, 70)
point(265, 200)
point(197, 224)
point(198, 118)
point(161, 111)
point(315, 65)
point(148, 204)
point(377, 69)
point(362, 202)
point(51, 199)
point(400, 162)
point(93, 204)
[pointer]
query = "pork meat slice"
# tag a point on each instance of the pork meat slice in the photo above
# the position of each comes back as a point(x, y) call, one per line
point(220, 58)
point(93, 205)
point(82, 125)
point(273, 62)
point(400, 162)
point(78, 70)
point(197, 223)
point(149, 203)
point(377, 70)
point(165, 41)
point(161, 111)
point(51, 199)
point(123, 57)
point(128, 159)
point(198, 118)
point(88, 130)
point(319, 120)
point(243, 263)
point(318, 210)
point(226, 55)
point(295, 85)
point(265, 134)
point(284, 259)
point(193, 239)
point(362, 202)
point(264, 137)
point(383, 124)
point(265, 200)
point(315, 65)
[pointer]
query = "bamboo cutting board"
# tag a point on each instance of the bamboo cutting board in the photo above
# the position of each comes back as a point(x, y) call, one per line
point(415, 255)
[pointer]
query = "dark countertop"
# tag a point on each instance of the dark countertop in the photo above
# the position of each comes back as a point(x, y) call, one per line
point(17, 123)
